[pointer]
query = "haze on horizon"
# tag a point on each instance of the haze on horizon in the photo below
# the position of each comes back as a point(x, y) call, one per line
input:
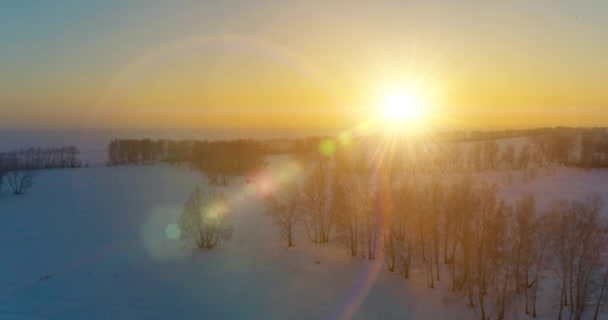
point(271, 64)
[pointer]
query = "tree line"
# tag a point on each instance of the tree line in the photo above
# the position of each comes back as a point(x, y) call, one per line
point(560, 147)
point(17, 167)
point(41, 158)
point(446, 152)
point(223, 160)
point(219, 160)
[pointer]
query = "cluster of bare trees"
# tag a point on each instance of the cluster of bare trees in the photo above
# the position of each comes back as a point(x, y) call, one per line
point(459, 152)
point(133, 151)
point(306, 149)
point(478, 156)
point(18, 167)
point(495, 254)
point(223, 160)
point(332, 205)
point(594, 148)
point(579, 247)
point(147, 151)
point(42, 158)
point(312, 204)
point(463, 228)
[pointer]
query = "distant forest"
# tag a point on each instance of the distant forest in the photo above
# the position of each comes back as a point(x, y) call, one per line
point(455, 151)
point(19, 165)
point(219, 160)
point(40, 158)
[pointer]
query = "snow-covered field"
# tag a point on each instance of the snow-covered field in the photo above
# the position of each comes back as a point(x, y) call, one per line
point(93, 243)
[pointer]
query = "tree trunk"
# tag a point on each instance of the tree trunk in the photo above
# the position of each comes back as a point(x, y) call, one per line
point(599, 299)
point(561, 299)
point(445, 243)
point(517, 260)
point(406, 264)
point(482, 306)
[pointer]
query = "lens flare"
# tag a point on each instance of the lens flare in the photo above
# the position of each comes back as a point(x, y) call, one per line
point(327, 147)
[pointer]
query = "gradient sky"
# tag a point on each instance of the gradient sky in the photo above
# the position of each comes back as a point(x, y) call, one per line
point(300, 64)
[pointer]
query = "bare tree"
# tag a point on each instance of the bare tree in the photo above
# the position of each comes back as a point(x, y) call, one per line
point(2, 171)
point(437, 194)
point(206, 219)
point(455, 156)
point(484, 231)
point(317, 203)
point(401, 228)
point(579, 238)
point(501, 248)
point(523, 157)
point(491, 151)
point(461, 203)
point(525, 211)
point(348, 216)
point(600, 298)
point(530, 250)
point(475, 156)
point(541, 258)
point(427, 204)
point(283, 208)
point(371, 213)
point(508, 157)
point(20, 180)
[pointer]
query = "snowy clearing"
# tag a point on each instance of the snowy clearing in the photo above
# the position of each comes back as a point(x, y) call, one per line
point(96, 243)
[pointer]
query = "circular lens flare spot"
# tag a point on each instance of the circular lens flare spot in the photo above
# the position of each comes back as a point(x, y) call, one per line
point(345, 138)
point(327, 147)
point(250, 190)
point(173, 231)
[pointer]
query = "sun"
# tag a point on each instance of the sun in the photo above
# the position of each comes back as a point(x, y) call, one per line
point(401, 107)
point(403, 110)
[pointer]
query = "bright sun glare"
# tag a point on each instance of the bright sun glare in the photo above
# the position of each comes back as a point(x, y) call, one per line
point(402, 109)
point(401, 106)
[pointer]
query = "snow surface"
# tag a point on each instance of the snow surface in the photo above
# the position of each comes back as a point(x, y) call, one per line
point(96, 243)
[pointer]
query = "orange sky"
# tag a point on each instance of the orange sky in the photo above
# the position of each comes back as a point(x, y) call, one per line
point(314, 65)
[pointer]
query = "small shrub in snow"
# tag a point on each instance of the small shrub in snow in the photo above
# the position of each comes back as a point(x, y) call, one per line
point(20, 180)
point(206, 219)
